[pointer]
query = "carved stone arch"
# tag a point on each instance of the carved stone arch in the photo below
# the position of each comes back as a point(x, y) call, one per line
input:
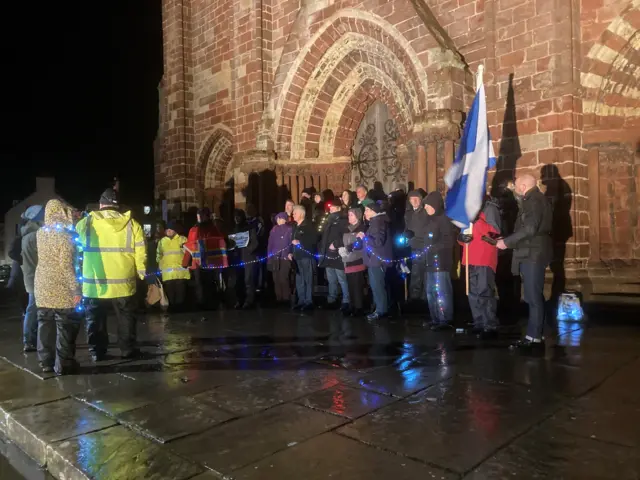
point(214, 181)
point(214, 158)
point(610, 77)
point(370, 34)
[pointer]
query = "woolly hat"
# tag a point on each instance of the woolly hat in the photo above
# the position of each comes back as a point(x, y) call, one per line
point(415, 193)
point(172, 225)
point(374, 206)
point(204, 213)
point(283, 216)
point(109, 197)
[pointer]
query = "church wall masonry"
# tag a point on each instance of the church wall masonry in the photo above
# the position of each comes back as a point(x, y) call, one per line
point(261, 98)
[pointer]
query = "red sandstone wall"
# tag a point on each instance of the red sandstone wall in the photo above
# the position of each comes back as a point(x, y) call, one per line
point(234, 71)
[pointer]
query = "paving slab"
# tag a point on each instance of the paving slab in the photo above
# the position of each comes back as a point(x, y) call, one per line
point(238, 443)
point(33, 428)
point(334, 456)
point(262, 392)
point(116, 453)
point(600, 417)
point(20, 389)
point(454, 424)
point(126, 396)
point(345, 401)
point(77, 384)
point(549, 453)
point(400, 382)
point(175, 418)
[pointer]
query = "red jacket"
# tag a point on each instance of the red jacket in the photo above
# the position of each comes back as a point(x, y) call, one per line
point(208, 246)
point(481, 253)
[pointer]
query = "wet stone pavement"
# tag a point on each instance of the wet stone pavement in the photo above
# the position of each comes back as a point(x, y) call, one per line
point(276, 395)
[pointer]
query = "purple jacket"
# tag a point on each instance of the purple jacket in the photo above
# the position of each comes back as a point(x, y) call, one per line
point(280, 238)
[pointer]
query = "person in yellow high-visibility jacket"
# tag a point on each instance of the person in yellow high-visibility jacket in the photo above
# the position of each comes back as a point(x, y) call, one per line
point(174, 276)
point(114, 254)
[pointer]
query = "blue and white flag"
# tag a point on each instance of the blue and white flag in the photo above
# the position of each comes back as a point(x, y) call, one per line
point(467, 177)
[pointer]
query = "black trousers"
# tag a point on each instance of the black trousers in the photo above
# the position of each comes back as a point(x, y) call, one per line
point(355, 282)
point(241, 284)
point(282, 280)
point(482, 297)
point(416, 279)
point(57, 333)
point(206, 286)
point(533, 286)
point(176, 291)
point(97, 334)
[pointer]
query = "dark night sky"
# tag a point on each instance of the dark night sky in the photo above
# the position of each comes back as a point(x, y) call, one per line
point(80, 102)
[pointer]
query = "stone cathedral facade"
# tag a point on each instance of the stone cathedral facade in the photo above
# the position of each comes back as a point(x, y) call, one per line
point(261, 98)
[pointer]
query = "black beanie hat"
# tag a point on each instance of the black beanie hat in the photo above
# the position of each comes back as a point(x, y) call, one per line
point(109, 197)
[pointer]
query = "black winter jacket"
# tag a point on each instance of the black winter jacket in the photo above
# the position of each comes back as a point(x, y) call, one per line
point(439, 237)
point(378, 242)
point(531, 239)
point(416, 223)
point(307, 235)
point(335, 228)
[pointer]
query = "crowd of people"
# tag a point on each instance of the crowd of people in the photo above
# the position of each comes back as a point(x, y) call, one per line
point(365, 246)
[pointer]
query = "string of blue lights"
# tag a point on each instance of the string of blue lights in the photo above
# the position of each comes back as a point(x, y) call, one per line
point(402, 241)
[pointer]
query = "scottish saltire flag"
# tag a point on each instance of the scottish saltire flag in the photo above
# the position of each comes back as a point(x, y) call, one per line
point(467, 177)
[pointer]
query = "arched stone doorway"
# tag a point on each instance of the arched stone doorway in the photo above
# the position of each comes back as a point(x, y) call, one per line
point(218, 186)
point(610, 81)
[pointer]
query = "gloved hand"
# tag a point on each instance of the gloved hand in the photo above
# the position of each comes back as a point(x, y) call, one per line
point(343, 252)
point(409, 234)
point(464, 238)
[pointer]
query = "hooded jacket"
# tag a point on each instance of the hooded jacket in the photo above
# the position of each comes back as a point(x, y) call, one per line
point(481, 253)
point(114, 254)
point(378, 242)
point(334, 229)
point(56, 279)
point(169, 255)
point(439, 236)
point(279, 246)
point(205, 238)
point(29, 254)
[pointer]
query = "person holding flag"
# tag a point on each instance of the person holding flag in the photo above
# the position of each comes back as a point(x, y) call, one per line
point(467, 183)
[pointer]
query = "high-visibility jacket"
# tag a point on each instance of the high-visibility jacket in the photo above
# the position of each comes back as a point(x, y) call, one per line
point(169, 255)
point(114, 254)
point(206, 246)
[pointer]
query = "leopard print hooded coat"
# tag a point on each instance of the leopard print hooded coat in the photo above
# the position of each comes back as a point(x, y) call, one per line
point(56, 282)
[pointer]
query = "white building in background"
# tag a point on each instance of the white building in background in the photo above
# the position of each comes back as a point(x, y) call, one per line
point(45, 191)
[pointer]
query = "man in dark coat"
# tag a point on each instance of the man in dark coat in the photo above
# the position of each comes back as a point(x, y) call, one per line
point(378, 251)
point(304, 246)
point(330, 260)
point(532, 252)
point(244, 259)
point(416, 219)
point(439, 240)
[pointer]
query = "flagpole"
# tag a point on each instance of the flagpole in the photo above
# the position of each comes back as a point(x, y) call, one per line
point(479, 80)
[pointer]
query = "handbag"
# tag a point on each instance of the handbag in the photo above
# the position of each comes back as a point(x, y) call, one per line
point(156, 294)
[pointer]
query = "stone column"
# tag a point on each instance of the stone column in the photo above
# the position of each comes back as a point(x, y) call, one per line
point(436, 135)
point(593, 162)
point(421, 180)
